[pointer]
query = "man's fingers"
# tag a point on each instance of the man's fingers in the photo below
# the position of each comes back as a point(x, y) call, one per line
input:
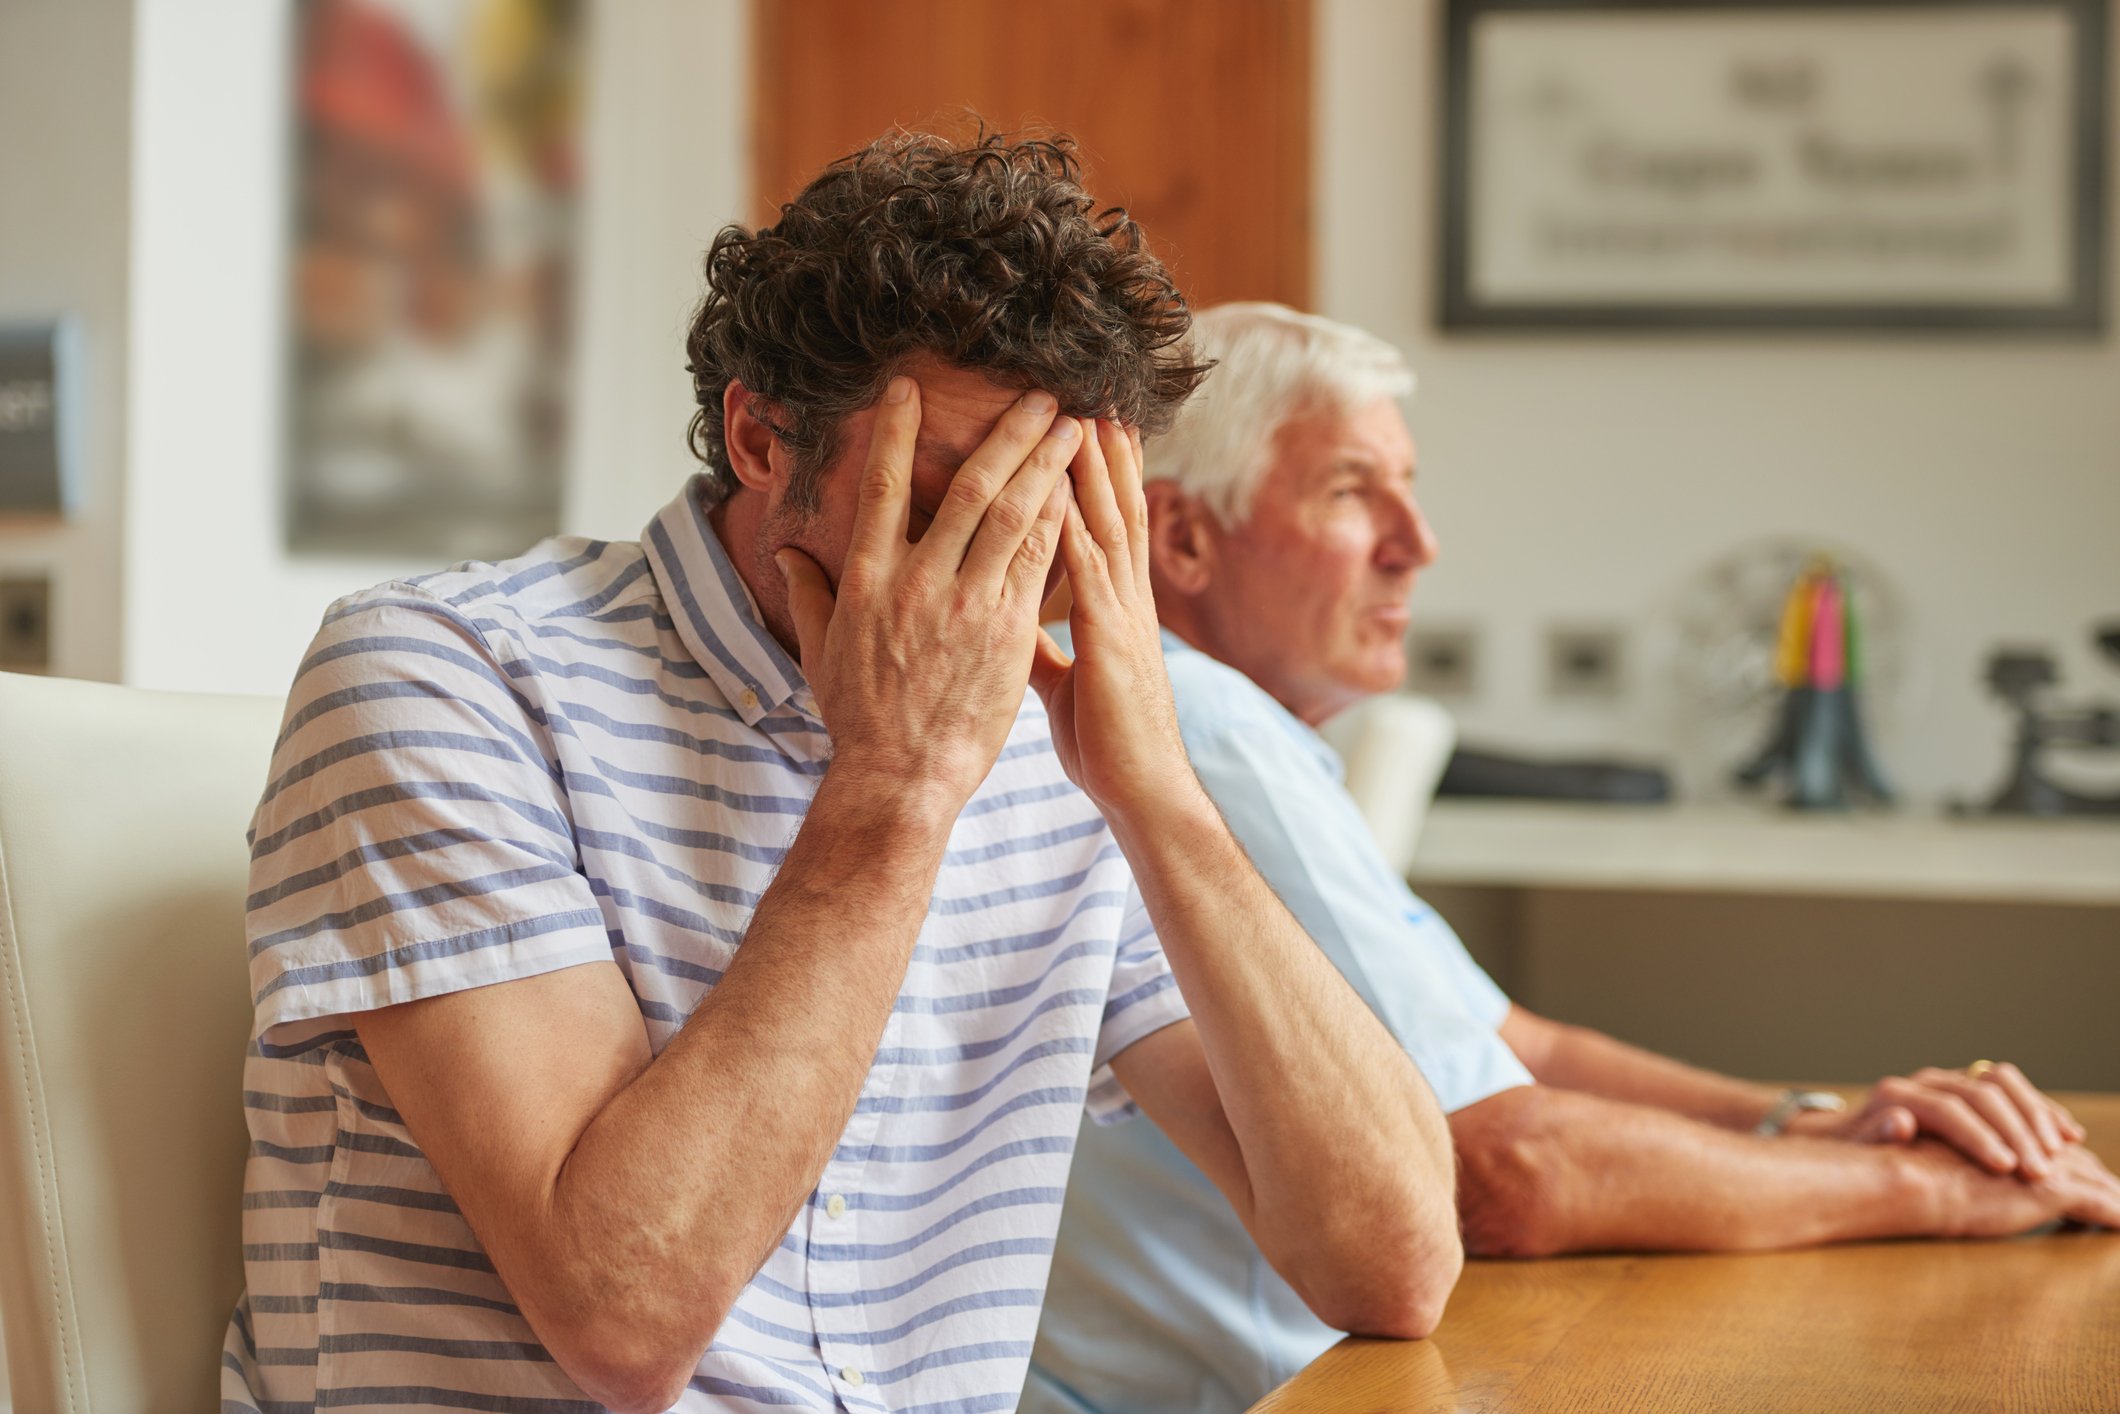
point(880, 516)
point(1018, 515)
point(1094, 493)
point(1121, 456)
point(810, 602)
point(1999, 1111)
point(2096, 1200)
point(2002, 1116)
point(1022, 430)
point(1893, 1124)
point(2030, 1103)
point(1082, 559)
point(1952, 1120)
point(1122, 453)
point(2020, 1084)
point(1034, 557)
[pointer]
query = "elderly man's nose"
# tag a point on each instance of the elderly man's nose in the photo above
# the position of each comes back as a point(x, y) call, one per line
point(1429, 546)
point(1408, 541)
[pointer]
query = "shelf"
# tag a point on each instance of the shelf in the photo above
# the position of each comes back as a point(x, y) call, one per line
point(1740, 849)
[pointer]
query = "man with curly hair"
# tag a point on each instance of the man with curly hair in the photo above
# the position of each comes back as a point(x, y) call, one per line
point(680, 966)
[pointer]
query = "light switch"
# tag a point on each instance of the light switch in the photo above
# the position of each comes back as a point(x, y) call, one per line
point(1585, 661)
point(1443, 662)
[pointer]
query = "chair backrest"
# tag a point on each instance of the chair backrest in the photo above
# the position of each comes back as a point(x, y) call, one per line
point(1395, 746)
point(126, 1011)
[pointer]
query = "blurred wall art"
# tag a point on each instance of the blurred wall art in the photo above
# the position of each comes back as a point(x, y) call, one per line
point(436, 197)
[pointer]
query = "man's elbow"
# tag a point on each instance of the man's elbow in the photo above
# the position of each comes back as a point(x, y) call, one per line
point(636, 1390)
point(623, 1373)
point(1507, 1192)
point(1392, 1285)
point(628, 1359)
point(1409, 1304)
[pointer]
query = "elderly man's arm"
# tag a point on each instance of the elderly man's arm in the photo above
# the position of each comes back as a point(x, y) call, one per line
point(1284, 1088)
point(1999, 1119)
point(626, 1202)
point(1549, 1171)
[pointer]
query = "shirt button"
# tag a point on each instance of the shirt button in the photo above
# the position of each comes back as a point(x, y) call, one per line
point(835, 1206)
point(851, 1375)
point(750, 699)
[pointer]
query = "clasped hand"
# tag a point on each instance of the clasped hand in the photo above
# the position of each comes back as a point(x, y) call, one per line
point(920, 657)
point(1997, 1118)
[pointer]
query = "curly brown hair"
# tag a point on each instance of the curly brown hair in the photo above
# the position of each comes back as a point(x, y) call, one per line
point(986, 255)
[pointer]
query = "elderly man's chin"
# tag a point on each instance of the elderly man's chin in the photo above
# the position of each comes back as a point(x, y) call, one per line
point(1378, 660)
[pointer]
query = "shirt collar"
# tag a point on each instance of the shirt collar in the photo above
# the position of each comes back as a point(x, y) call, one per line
point(1304, 734)
point(714, 612)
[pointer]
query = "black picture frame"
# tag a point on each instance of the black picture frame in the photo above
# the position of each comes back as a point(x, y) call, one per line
point(2082, 312)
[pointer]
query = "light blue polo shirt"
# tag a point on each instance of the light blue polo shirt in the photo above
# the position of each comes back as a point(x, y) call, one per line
point(1159, 1302)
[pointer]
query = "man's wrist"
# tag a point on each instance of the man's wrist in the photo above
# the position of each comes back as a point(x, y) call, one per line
point(1928, 1185)
point(1794, 1104)
point(908, 807)
point(1170, 809)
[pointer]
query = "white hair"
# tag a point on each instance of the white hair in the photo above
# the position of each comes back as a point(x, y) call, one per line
point(1271, 363)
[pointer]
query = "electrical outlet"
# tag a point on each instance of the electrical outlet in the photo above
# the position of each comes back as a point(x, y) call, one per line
point(25, 625)
point(1443, 662)
point(1585, 661)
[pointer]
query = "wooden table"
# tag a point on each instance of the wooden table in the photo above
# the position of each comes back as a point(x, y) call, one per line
point(2031, 1324)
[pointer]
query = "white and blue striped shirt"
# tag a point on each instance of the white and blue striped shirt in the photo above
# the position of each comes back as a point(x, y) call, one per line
point(594, 753)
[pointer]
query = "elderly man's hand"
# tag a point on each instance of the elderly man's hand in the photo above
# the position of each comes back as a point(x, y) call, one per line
point(1970, 1202)
point(1998, 1119)
point(1114, 724)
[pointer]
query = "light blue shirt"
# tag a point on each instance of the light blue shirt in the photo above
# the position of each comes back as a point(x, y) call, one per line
point(1159, 1302)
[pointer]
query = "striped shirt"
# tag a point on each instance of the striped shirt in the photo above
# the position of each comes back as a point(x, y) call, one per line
point(596, 752)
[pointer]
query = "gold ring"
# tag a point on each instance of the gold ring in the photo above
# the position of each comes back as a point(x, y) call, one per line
point(1979, 1068)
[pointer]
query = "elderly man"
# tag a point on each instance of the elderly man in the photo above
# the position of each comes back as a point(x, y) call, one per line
point(680, 966)
point(1285, 541)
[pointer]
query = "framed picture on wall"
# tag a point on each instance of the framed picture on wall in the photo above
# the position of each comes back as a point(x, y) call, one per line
point(436, 192)
point(1761, 164)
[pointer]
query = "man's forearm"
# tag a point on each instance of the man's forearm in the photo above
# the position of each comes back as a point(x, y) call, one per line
point(1345, 1152)
point(1547, 1171)
point(1579, 1058)
point(679, 1189)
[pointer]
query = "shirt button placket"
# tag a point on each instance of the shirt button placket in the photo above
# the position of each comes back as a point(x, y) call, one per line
point(837, 1224)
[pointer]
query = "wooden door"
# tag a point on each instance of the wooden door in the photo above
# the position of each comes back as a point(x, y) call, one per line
point(1193, 114)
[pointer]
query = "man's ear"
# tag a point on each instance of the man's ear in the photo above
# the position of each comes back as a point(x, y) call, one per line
point(751, 440)
point(1181, 539)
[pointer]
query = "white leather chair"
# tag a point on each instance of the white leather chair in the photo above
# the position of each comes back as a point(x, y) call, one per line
point(126, 1012)
point(1395, 746)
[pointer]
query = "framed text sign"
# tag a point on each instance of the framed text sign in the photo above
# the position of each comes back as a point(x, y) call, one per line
point(1851, 164)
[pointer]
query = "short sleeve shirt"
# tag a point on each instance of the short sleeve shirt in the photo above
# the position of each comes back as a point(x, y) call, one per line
point(1159, 1301)
point(596, 755)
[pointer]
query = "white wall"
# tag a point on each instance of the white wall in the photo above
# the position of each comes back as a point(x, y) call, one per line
point(1582, 478)
point(213, 601)
point(65, 105)
point(1590, 477)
